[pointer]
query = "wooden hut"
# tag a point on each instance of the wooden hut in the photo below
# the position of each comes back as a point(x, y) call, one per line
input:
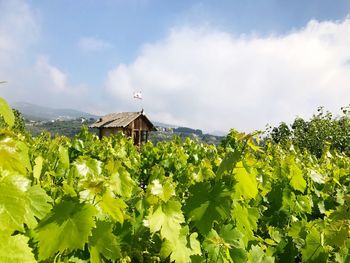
point(132, 124)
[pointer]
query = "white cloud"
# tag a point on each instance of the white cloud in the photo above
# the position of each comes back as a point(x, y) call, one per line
point(31, 77)
point(17, 22)
point(92, 44)
point(214, 80)
point(56, 79)
point(18, 30)
point(53, 78)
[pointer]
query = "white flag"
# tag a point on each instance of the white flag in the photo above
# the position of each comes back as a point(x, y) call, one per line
point(138, 95)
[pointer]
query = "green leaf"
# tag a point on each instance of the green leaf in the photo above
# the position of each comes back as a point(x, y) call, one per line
point(337, 233)
point(121, 182)
point(12, 203)
point(228, 163)
point(87, 167)
point(14, 156)
point(15, 249)
point(297, 180)
point(246, 220)
point(6, 113)
point(246, 185)
point(103, 242)
point(195, 244)
point(226, 246)
point(258, 255)
point(293, 203)
point(38, 205)
point(163, 190)
point(207, 204)
point(113, 206)
point(203, 171)
point(21, 204)
point(178, 251)
point(66, 228)
point(342, 212)
point(63, 156)
point(317, 177)
point(314, 250)
point(166, 218)
point(90, 181)
point(234, 238)
point(303, 204)
point(38, 167)
point(343, 256)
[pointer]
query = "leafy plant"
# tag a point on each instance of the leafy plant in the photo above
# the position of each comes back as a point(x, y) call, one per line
point(91, 200)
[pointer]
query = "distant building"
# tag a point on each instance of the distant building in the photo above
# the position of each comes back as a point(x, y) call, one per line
point(132, 124)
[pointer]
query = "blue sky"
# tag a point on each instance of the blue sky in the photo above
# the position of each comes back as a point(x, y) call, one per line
point(198, 63)
point(128, 25)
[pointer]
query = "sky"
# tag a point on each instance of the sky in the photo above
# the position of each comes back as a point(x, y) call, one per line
point(212, 65)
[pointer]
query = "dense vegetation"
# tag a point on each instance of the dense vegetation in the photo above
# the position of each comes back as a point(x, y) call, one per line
point(70, 128)
point(313, 135)
point(91, 200)
point(183, 134)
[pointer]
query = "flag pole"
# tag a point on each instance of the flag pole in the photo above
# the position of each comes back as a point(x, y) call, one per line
point(138, 96)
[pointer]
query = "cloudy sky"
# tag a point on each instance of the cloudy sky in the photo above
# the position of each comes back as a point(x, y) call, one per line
point(212, 65)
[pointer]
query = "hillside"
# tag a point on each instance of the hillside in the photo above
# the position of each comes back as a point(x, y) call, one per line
point(36, 112)
point(68, 122)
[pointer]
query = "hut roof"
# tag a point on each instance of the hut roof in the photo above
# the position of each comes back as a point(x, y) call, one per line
point(121, 119)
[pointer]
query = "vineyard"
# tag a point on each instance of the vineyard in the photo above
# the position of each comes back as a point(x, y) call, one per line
point(90, 200)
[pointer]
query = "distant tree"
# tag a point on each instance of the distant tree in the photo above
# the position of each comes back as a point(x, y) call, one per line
point(19, 121)
point(281, 134)
point(232, 141)
point(19, 125)
point(314, 135)
point(188, 130)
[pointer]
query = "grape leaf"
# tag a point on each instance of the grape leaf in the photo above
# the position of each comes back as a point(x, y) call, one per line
point(178, 251)
point(246, 185)
point(67, 227)
point(234, 238)
point(195, 245)
point(38, 204)
point(258, 255)
point(314, 250)
point(15, 249)
point(14, 156)
point(228, 163)
point(167, 218)
point(226, 246)
point(246, 220)
point(337, 233)
point(85, 166)
point(207, 204)
point(38, 167)
point(162, 190)
point(103, 242)
point(12, 205)
point(121, 182)
point(113, 206)
point(297, 180)
point(6, 113)
point(21, 204)
point(63, 156)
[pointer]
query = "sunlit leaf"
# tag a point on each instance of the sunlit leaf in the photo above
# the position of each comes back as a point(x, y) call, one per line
point(6, 113)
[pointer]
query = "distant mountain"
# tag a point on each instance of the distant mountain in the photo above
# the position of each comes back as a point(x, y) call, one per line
point(36, 112)
point(159, 124)
point(40, 113)
point(218, 133)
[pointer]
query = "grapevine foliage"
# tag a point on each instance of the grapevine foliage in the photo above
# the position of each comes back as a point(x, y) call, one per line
point(91, 200)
